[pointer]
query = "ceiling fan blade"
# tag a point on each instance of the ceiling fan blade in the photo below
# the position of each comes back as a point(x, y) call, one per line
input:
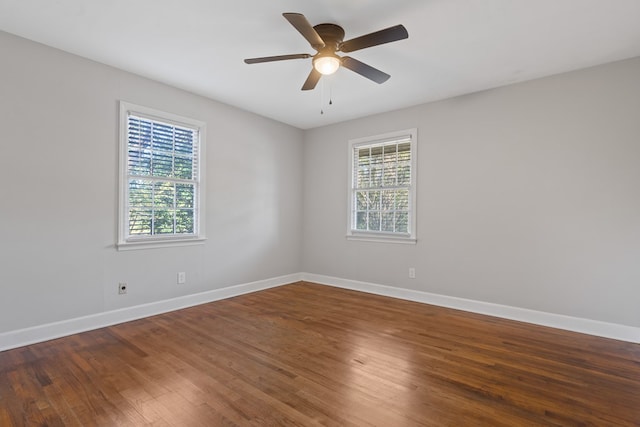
point(365, 70)
point(301, 24)
point(312, 80)
point(387, 35)
point(276, 58)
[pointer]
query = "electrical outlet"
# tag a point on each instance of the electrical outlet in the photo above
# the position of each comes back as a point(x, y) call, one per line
point(182, 278)
point(122, 288)
point(412, 273)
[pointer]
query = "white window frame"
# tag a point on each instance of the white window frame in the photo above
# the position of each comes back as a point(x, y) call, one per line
point(127, 242)
point(393, 237)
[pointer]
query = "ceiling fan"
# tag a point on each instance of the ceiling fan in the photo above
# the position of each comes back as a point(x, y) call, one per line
point(326, 39)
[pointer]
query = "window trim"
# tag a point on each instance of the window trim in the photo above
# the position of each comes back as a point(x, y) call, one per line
point(384, 237)
point(147, 242)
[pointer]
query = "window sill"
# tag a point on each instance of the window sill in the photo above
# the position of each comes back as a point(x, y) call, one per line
point(382, 238)
point(155, 244)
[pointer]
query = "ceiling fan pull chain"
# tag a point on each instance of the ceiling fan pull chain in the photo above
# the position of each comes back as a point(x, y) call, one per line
point(330, 92)
point(322, 96)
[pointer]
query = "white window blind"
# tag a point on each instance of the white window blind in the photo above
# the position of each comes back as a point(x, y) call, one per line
point(161, 192)
point(382, 189)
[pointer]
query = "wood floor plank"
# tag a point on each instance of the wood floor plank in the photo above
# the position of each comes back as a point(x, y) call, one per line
point(306, 354)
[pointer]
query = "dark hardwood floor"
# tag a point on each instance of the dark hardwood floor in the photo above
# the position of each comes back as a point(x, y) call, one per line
point(306, 354)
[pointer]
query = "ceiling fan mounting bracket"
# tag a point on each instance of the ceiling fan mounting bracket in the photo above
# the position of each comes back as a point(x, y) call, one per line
point(331, 34)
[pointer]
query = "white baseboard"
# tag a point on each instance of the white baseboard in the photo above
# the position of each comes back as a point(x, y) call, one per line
point(22, 337)
point(575, 324)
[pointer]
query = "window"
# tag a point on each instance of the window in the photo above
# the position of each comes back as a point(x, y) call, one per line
point(382, 187)
point(161, 175)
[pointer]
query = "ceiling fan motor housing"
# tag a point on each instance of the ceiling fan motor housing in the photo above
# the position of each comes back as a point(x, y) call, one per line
point(332, 35)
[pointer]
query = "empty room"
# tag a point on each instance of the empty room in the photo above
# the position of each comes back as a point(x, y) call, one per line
point(338, 213)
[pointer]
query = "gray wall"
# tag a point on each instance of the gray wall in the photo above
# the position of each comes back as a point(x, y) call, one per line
point(58, 189)
point(528, 196)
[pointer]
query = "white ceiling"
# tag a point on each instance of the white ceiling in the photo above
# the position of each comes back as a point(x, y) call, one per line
point(454, 46)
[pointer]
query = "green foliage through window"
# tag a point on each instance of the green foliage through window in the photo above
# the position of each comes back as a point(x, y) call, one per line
point(162, 178)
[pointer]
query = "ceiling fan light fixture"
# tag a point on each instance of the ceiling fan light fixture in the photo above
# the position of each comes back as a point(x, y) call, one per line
point(327, 64)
